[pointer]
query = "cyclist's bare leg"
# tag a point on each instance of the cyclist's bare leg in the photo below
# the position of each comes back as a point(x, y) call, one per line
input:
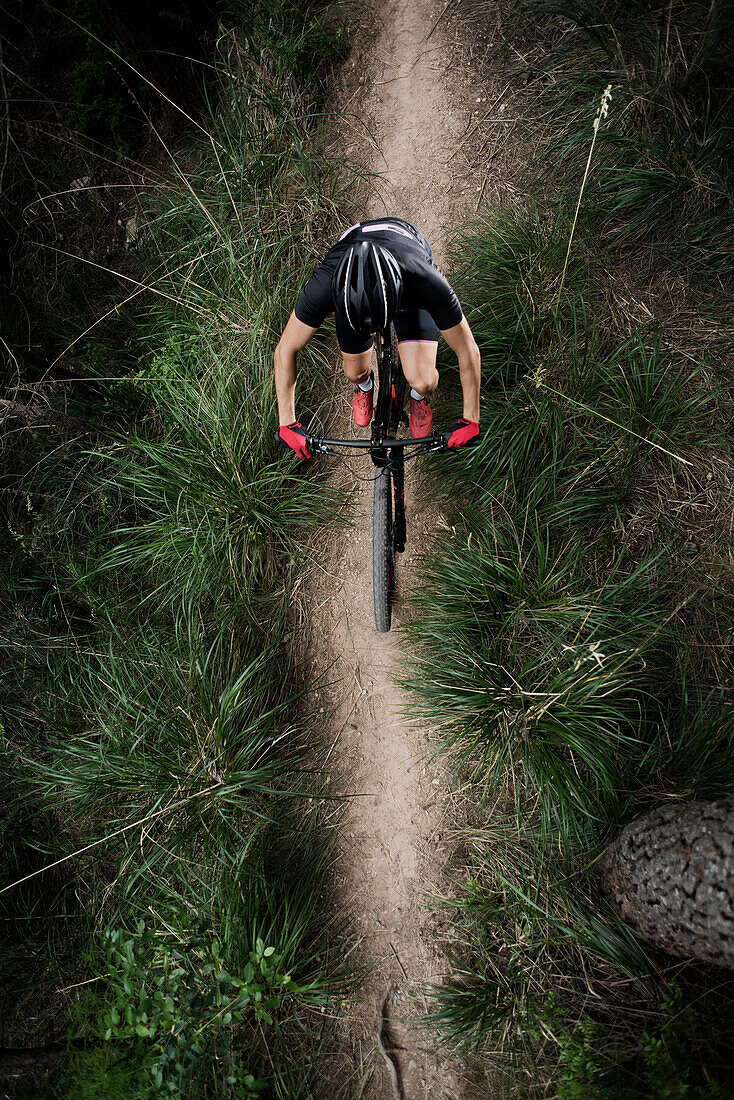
point(419, 364)
point(357, 366)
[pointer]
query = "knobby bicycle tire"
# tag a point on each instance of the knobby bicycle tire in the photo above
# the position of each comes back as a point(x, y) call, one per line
point(383, 553)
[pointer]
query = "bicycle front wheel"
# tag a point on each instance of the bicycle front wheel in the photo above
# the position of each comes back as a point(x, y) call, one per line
point(383, 550)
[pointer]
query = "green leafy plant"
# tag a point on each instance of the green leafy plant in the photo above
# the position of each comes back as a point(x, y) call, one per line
point(183, 1002)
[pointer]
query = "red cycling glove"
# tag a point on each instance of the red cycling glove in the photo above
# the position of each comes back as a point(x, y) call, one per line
point(294, 436)
point(464, 431)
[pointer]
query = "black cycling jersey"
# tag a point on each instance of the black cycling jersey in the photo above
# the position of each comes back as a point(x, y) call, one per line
point(424, 286)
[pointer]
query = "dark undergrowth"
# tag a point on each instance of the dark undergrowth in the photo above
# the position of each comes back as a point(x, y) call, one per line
point(572, 639)
point(165, 837)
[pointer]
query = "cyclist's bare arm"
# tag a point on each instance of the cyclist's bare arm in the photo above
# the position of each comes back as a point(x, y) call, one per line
point(295, 336)
point(460, 339)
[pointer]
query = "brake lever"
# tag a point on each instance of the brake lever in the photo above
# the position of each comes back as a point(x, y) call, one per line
point(433, 446)
point(316, 447)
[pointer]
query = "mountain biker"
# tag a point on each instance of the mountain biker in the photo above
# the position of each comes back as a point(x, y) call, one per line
point(380, 271)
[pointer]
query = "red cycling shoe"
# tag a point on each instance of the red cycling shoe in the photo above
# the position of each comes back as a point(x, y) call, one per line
point(421, 417)
point(362, 406)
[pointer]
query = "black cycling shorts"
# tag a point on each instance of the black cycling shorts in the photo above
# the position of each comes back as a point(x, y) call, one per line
point(410, 324)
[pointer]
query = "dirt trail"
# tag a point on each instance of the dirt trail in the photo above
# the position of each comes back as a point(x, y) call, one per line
point(390, 853)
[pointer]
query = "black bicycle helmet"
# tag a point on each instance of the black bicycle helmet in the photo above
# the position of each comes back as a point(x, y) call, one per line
point(367, 286)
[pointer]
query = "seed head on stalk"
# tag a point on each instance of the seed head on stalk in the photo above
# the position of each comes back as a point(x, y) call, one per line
point(601, 113)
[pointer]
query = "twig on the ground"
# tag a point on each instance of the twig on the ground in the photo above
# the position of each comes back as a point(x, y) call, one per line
point(400, 962)
point(488, 173)
point(41, 416)
point(450, 4)
point(341, 731)
point(485, 118)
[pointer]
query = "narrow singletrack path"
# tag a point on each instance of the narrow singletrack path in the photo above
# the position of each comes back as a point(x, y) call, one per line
point(390, 855)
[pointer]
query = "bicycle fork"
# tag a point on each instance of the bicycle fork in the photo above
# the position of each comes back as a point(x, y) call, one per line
point(397, 467)
point(393, 460)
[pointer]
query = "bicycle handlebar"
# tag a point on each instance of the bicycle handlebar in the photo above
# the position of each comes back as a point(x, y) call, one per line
point(430, 444)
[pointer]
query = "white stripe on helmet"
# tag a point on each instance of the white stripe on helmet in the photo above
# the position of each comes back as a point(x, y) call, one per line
point(378, 257)
point(348, 275)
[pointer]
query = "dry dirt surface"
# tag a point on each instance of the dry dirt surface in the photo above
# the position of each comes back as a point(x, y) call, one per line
point(417, 109)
